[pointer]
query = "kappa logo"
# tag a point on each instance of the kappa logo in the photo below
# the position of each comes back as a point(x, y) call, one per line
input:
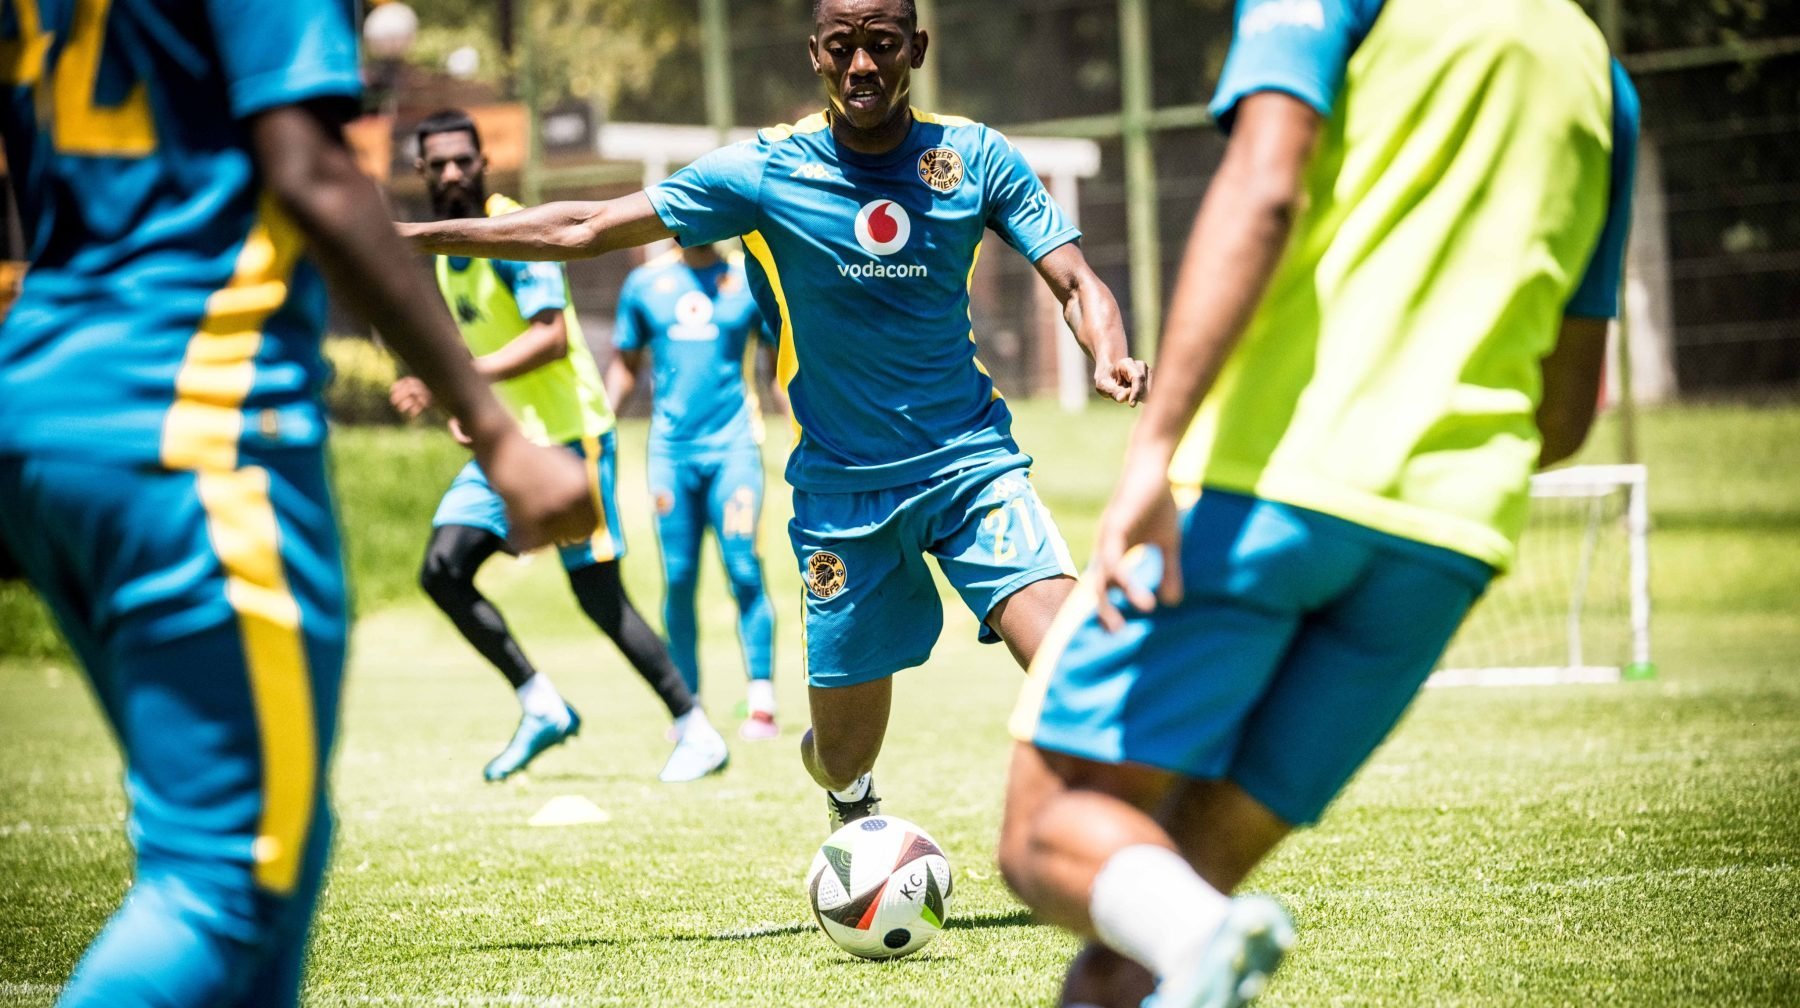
point(812, 172)
point(825, 574)
point(882, 227)
point(1274, 14)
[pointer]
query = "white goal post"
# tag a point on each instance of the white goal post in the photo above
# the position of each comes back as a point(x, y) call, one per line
point(1576, 606)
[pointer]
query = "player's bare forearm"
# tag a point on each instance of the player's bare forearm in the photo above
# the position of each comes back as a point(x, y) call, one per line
point(544, 342)
point(553, 231)
point(313, 177)
point(1571, 388)
point(621, 376)
point(778, 397)
point(1093, 316)
point(1237, 241)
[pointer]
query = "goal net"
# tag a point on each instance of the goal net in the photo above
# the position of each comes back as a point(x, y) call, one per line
point(1576, 606)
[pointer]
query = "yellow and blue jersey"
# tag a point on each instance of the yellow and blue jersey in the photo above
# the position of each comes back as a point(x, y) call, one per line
point(862, 263)
point(697, 325)
point(1391, 373)
point(494, 300)
point(169, 315)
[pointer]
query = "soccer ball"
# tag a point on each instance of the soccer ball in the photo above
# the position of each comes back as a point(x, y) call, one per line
point(880, 888)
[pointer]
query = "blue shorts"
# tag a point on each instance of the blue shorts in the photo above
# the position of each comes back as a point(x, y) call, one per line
point(721, 488)
point(1299, 641)
point(471, 501)
point(208, 610)
point(872, 608)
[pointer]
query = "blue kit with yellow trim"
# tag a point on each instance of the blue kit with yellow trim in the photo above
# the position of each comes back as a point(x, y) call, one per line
point(162, 480)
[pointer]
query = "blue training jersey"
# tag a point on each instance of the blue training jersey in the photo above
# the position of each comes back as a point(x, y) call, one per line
point(169, 315)
point(696, 323)
point(864, 262)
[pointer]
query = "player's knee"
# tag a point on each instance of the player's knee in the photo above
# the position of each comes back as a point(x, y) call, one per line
point(1014, 853)
point(442, 578)
point(210, 930)
point(683, 575)
point(745, 575)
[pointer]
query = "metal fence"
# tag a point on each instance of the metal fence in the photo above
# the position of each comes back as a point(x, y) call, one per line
point(1720, 82)
point(1721, 106)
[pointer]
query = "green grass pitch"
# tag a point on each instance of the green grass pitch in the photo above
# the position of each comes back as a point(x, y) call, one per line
point(1636, 844)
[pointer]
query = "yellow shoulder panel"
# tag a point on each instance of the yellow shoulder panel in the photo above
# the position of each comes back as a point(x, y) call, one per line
point(811, 124)
point(498, 205)
point(940, 120)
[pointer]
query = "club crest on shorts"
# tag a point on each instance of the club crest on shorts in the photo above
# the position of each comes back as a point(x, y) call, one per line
point(824, 574)
point(941, 168)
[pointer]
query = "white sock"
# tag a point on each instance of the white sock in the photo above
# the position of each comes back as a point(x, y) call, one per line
point(760, 696)
point(1149, 906)
point(857, 790)
point(539, 698)
point(694, 724)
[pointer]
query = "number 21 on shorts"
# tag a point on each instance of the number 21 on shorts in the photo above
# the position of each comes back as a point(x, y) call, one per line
point(1020, 516)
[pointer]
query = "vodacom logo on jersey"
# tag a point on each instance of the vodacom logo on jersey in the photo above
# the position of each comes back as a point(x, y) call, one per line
point(882, 228)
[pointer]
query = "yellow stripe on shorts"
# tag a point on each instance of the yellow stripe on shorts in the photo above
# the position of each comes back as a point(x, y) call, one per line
point(601, 543)
point(240, 520)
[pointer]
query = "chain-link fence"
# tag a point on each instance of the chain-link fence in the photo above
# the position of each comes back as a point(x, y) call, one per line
point(1718, 260)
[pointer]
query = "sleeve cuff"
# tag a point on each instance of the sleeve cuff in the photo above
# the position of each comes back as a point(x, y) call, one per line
point(1224, 105)
point(291, 86)
point(1051, 244)
point(659, 201)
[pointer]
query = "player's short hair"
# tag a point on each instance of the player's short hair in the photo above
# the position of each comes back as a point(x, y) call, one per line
point(448, 120)
point(909, 12)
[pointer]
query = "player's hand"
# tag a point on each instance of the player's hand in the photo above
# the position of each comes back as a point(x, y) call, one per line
point(547, 492)
point(410, 396)
point(1125, 380)
point(1142, 512)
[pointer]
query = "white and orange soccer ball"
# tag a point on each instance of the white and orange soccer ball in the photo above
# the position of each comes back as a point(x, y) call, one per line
point(880, 888)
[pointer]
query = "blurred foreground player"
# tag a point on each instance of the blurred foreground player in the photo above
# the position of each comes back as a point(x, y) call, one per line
point(863, 224)
point(690, 315)
point(1412, 244)
point(517, 318)
point(184, 184)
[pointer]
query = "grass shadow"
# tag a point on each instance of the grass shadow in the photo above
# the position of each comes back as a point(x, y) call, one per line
point(1010, 918)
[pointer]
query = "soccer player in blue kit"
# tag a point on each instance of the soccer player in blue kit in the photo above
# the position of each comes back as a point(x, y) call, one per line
point(186, 191)
point(691, 314)
point(863, 224)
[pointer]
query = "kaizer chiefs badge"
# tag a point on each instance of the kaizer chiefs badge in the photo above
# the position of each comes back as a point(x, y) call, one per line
point(824, 574)
point(941, 168)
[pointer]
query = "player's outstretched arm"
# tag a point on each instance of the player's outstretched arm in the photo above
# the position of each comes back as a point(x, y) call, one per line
point(553, 231)
point(313, 177)
point(1571, 388)
point(1236, 243)
point(1093, 315)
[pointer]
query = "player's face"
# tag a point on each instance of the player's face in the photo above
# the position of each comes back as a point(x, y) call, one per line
point(865, 53)
point(454, 173)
